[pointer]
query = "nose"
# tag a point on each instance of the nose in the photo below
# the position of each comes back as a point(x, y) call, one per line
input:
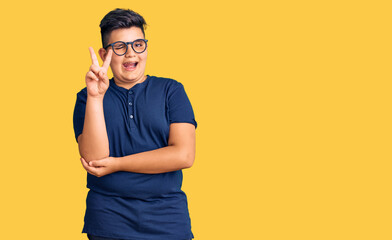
point(130, 53)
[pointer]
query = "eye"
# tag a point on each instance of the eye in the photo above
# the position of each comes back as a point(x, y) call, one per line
point(139, 43)
point(119, 46)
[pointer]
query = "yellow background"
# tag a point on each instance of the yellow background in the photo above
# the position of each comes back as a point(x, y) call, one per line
point(292, 99)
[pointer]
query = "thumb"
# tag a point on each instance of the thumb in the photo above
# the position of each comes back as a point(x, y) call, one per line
point(98, 163)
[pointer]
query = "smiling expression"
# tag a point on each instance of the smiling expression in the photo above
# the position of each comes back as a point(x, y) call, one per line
point(127, 69)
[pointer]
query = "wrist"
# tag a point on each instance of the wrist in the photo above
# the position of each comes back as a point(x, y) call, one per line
point(95, 98)
point(117, 163)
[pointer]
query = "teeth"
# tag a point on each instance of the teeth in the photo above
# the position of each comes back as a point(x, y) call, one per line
point(130, 64)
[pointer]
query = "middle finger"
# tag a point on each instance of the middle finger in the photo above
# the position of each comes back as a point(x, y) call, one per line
point(94, 58)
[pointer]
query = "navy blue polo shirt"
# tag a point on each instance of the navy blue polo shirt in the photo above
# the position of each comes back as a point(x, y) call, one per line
point(129, 205)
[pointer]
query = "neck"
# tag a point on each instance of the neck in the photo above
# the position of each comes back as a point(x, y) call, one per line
point(128, 85)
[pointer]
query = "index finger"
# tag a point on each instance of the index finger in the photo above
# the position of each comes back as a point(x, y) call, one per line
point(108, 59)
point(87, 167)
point(94, 58)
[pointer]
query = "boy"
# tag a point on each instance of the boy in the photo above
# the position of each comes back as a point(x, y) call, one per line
point(135, 133)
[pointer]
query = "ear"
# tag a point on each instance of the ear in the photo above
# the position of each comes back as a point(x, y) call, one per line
point(102, 53)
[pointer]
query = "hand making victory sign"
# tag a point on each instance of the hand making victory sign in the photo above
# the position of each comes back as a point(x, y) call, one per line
point(97, 81)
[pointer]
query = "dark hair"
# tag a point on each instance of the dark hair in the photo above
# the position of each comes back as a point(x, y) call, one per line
point(120, 18)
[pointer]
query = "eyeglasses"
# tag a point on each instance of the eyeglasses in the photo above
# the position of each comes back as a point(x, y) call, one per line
point(120, 48)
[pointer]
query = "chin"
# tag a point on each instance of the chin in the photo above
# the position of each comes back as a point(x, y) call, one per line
point(132, 77)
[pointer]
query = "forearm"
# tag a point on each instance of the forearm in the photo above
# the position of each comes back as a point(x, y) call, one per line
point(93, 142)
point(166, 159)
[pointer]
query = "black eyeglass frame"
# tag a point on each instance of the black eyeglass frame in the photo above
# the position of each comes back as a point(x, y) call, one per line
point(126, 44)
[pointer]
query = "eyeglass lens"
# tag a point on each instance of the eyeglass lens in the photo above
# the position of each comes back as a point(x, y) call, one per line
point(138, 46)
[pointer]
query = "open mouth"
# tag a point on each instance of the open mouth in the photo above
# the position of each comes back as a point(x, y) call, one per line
point(130, 65)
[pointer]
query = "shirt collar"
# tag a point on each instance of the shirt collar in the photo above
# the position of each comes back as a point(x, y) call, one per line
point(135, 87)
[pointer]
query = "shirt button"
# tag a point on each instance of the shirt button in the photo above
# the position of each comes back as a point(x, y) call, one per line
point(130, 103)
point(130, 92)
point(131, 116)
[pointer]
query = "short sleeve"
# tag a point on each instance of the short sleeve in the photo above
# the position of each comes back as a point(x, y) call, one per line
point(179, 106)
point(79, 113)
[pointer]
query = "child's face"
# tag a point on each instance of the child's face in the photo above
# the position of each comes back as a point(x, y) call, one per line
point(123, 67)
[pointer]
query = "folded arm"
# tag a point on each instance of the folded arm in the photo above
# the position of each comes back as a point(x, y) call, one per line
point(93, 142)
point(179, 154)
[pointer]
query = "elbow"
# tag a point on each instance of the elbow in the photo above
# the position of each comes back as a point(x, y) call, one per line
point(187, 160)
point(95, 155)
point(91, 157)
point(90, 154)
